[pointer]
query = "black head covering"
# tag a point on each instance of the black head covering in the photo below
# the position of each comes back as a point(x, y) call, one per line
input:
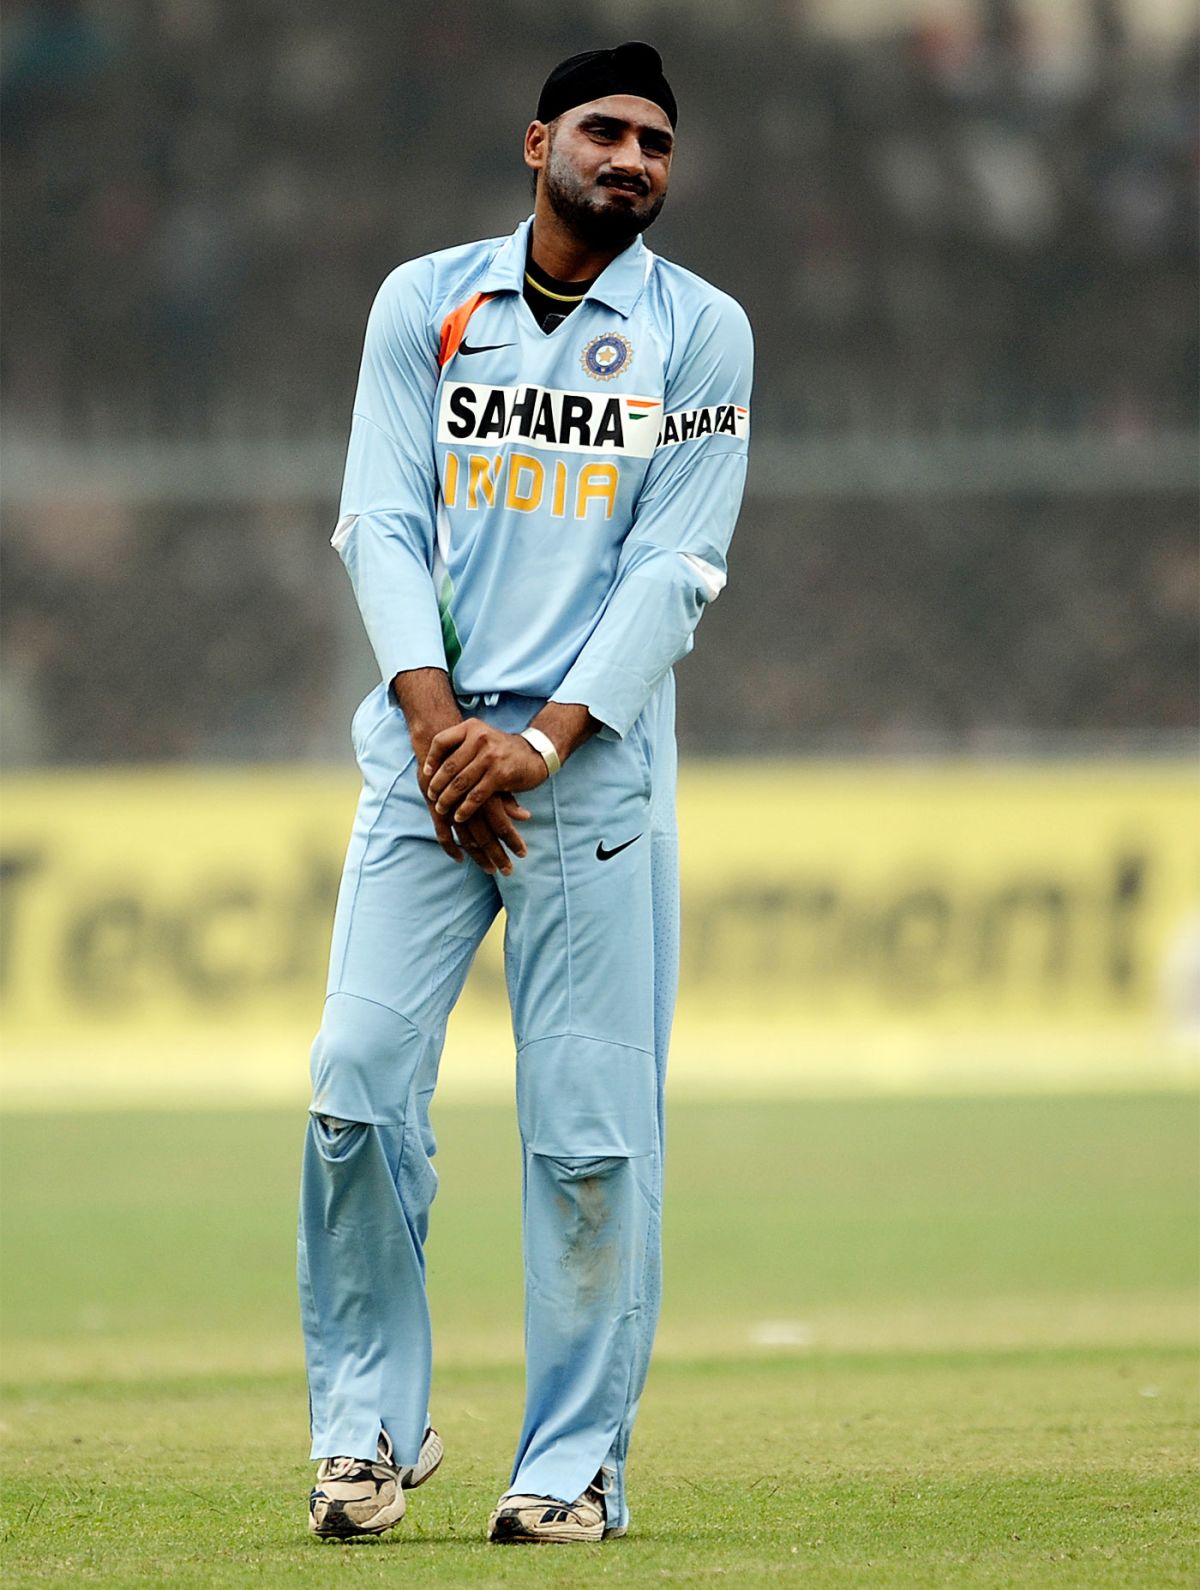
point(629, 69)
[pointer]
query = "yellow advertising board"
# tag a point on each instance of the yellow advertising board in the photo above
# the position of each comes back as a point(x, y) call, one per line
point(845, 926)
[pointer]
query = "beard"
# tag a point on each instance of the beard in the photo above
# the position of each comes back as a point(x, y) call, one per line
point(595, 218)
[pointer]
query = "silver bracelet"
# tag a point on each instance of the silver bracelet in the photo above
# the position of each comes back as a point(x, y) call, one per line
point(544, 746)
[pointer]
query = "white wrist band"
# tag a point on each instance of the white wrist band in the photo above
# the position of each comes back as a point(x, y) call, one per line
point(544, 746)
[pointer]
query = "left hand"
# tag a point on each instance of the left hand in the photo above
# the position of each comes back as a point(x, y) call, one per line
point(470, 762)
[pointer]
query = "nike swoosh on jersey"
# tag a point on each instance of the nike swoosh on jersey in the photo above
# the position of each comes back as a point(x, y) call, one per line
point(466, 349)
point(607, 855)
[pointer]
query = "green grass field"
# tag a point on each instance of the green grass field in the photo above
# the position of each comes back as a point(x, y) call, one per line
point(905, 1342)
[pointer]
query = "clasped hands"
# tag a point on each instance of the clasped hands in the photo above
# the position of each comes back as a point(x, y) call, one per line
point(467, 775)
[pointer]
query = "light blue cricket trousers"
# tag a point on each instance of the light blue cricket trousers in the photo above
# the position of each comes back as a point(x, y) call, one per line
point(591, 951)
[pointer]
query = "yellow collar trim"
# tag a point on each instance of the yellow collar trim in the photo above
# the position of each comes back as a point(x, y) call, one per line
point(559, 298)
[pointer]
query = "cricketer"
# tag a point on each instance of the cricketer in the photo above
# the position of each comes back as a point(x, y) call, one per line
point(546, 461)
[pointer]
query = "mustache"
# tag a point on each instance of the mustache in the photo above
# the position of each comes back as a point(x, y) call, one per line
point(633, 184)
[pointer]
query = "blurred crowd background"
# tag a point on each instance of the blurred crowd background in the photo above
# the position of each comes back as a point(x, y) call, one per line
point(966, 237)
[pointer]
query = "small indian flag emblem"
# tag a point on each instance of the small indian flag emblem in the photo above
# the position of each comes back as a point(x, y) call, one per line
point(641, 408)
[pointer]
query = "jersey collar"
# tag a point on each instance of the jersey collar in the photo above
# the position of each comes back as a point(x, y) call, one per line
point(619, 284)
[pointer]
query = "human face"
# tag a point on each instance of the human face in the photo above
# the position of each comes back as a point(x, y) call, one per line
point(605, 167)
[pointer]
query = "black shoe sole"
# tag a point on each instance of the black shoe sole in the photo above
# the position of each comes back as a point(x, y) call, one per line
point(511, 1532)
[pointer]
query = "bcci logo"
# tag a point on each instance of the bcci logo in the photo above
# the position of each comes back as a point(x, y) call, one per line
point(606, 356)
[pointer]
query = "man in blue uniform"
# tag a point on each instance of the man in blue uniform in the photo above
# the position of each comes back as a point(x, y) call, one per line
point(545, 465)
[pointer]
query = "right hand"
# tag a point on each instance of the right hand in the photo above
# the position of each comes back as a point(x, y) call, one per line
point(429, 706)
point(483, 837)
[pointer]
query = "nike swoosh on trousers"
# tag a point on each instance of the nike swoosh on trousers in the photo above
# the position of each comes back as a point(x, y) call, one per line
point(607, 855)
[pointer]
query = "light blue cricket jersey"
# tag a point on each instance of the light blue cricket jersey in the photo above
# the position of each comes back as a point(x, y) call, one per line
point(544, 515)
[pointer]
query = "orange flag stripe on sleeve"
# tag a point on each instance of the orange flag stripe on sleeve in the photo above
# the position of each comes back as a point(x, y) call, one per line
point(454, 327)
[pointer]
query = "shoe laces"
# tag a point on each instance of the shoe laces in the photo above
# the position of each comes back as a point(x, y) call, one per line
point(335, 1467)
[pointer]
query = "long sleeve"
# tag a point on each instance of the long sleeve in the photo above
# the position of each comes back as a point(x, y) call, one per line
point(672, 563)
point(386, 533)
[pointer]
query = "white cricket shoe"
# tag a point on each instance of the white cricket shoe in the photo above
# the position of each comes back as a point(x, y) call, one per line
point(533, 1520)
point(353, 1497)
point(428, 1461)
